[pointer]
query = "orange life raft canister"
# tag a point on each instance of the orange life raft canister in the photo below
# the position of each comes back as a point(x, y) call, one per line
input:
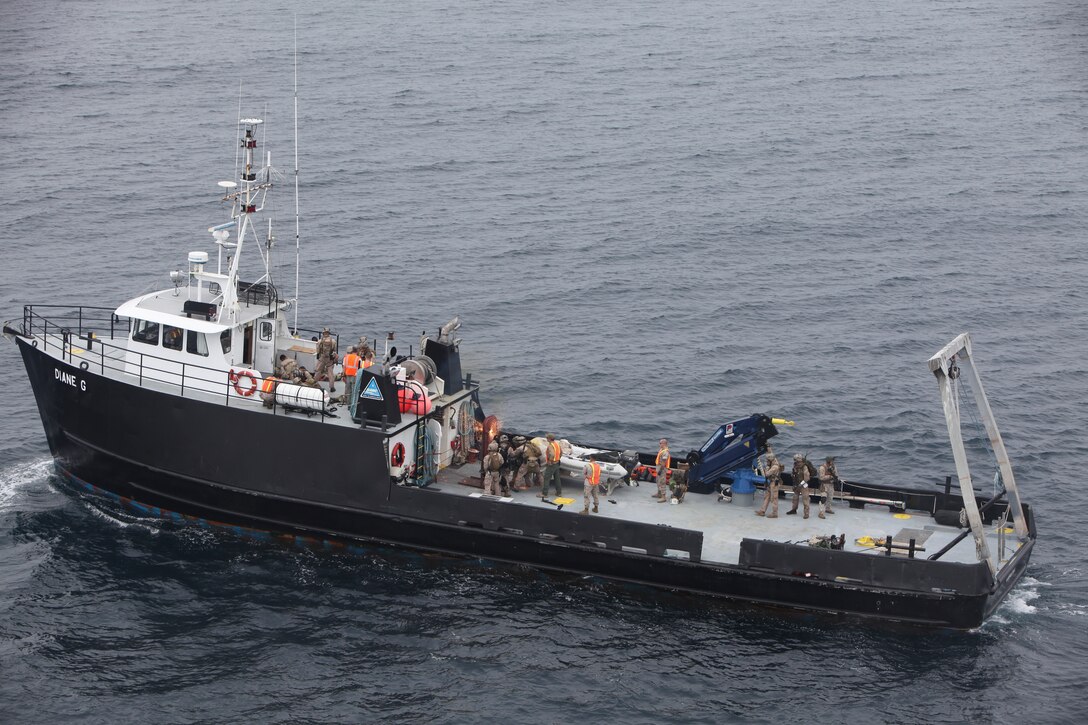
point(413, 398)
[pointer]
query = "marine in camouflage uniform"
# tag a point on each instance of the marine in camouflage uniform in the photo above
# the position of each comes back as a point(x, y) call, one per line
point(510, 467)
point(829, 475)
point(278, 369)
point(289, 370)
point(492, 463)
point(679, 483)
point(530, 467)
point(305, 378)
point(326, 358)
point(772, 471)
point(552, 453)
point(801, 490)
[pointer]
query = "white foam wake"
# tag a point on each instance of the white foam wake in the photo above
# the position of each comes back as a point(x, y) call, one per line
point(17, 478)
point(1018, 602)
point(122, 518)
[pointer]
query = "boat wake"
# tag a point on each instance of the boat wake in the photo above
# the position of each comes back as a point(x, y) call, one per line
point(1020, 599)
point(119, 517)
point(16, 479)
point(1018, 604)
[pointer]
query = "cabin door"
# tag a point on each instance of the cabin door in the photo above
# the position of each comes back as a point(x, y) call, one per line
point(263, 357)
point(247, 344)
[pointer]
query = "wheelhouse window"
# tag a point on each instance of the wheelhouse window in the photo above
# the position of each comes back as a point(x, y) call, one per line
point(172, 337)
point(266, 330)
point(146, 332)
point(224, 340)
point(195, 343)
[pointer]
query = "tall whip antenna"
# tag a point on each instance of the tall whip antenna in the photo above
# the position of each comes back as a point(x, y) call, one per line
point(237, 146)
point(297, 257)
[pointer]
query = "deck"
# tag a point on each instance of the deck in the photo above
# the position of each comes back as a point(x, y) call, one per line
point(726, 523)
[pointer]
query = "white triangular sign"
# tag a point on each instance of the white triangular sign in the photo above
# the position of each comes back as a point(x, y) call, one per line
point(372, 391)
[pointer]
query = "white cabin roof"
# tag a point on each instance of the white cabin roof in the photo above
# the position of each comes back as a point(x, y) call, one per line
point(163, 307)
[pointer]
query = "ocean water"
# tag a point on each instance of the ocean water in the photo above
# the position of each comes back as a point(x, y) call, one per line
point(652, 218)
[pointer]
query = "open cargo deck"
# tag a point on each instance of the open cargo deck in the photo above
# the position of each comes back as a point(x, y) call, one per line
point(725, 524)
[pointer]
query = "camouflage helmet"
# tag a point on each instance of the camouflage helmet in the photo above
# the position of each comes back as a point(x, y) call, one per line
point(798, 457)
point(504, 438)
point(831, 459)
point(519, 440)
point(493, 446)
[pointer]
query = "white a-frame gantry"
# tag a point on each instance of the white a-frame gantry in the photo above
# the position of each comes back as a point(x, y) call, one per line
point(944, 366)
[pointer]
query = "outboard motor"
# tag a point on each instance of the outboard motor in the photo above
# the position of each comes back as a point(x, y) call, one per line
point(732, 446)
point(629, 461)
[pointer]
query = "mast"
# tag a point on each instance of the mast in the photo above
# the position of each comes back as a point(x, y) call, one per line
point(248, 195)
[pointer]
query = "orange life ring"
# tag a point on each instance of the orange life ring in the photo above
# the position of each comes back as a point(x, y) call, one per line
point(236, 378)
point(397, 459)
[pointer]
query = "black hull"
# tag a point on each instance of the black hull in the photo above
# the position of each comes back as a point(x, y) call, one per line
point(182, 455)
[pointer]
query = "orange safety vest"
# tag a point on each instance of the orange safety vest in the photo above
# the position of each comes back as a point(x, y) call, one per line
point(367, 363)
point(556, 450)
point(268, 385)
point(668, 458)
point(351, 364)
point(594, 474)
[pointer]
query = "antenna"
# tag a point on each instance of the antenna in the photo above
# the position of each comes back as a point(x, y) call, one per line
point(296, 178)
point(238, 118)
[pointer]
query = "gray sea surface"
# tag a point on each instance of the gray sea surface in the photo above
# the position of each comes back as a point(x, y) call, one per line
point(652, 217)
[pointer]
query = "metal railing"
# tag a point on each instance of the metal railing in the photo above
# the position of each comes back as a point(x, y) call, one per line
point(258, 293)
point(81, 317)
point(995, 500)
point(79, 337)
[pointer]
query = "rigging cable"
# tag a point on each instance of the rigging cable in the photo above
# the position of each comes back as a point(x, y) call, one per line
point(976, 424)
